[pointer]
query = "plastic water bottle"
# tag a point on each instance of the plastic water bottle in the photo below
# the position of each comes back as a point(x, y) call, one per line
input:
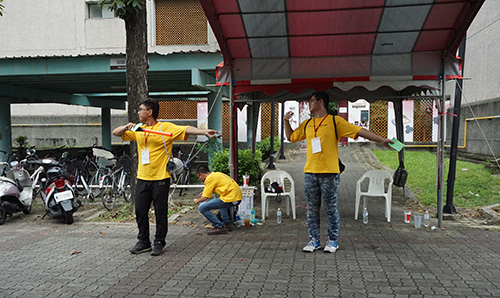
point(407, 215)
point(365, 216)
point(252, 215)
point(278, 215)
point(426, 219)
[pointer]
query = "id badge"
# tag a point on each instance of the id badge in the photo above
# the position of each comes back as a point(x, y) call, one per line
point(316, 145)
point(145, 156)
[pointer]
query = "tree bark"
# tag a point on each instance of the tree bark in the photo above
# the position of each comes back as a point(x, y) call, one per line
point(137, 73)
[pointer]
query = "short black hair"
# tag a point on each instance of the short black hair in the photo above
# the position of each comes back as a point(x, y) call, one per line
point(324, 96)
point(203, 169)
point(151, 105)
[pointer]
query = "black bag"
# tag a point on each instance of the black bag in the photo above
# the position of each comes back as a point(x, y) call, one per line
point(400, 177)
point(276, 187)
point(341, 165)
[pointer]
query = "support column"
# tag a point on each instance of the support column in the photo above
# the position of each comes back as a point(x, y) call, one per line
point(215, 112)
point(282, 133)
point(250, 136)
point(5, 127)
point(398, 114)
point(271, 136)
point(106, 128)
point(449, 208)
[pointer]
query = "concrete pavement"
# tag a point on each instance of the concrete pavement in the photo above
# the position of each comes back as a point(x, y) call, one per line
point(380, 259)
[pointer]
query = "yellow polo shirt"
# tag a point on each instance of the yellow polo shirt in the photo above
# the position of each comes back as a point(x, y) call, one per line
point(222, 185)
point(157, 167)
point(325, 161)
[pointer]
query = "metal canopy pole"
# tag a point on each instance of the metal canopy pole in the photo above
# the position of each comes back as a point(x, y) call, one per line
point(231, 128)
point(282, 133)
point(450, 185)
point(398, 114)
point(440, 149)
point(271, 136)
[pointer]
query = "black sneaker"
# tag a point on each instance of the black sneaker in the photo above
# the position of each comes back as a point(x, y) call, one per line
point(217, 231)
point(140, 247)
point(157, 249)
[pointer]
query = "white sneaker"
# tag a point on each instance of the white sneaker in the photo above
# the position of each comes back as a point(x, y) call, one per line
point(331, 246)
point(312, 246)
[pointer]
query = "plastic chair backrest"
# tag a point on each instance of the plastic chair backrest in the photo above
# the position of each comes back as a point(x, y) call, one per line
point(376, 181)
point(278, 176)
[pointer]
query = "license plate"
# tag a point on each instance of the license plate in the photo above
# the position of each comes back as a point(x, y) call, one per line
point(61, 196)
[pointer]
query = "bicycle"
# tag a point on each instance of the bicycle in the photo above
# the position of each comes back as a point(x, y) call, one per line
point(104, 161)
point(76, 170)
point(115, 184)
point(181, 175)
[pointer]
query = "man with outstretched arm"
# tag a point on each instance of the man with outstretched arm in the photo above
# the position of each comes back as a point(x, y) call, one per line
point(321, 172)
point(153, 178)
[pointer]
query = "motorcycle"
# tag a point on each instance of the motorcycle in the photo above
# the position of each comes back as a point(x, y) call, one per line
point(57, 192)
point(16, 189)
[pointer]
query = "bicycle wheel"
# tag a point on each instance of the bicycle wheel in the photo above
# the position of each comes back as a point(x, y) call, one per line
point(127, 189)
point(184, 179)
point(108, 193)
point(95, 189)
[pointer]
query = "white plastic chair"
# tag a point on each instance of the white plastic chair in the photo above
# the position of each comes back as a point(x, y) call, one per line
point(288, 193)
point(376, 188)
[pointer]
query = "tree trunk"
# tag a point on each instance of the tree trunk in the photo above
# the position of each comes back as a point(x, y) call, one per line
point(137, 73)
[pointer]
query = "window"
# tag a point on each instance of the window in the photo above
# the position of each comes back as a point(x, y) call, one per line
point(98, 12)
point(180, 22)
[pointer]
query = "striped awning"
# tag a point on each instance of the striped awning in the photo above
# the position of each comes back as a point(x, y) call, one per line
point(290, 43)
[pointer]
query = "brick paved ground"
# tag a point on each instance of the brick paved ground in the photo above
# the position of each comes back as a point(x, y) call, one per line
point(44, 258)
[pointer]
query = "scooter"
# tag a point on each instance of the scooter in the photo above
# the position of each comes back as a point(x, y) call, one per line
point(57, 192)
point(16, 189)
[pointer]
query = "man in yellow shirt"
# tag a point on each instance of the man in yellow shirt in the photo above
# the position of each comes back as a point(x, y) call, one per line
point(321, 172)
point(230, 195)
point(153, 178)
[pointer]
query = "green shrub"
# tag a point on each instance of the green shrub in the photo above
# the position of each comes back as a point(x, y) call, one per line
point(264, 146)
point(247, 164)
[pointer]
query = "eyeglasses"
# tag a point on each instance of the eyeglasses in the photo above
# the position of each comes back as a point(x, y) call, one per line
point(141, 109)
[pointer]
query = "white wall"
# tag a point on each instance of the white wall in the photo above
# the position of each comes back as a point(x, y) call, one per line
point(482, 56)
point(62, 28)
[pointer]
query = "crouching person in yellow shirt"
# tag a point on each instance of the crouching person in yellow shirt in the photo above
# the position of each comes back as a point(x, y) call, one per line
point(230, 195)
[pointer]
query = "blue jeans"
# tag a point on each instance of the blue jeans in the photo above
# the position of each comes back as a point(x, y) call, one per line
point(324, 187)
point(213, 204)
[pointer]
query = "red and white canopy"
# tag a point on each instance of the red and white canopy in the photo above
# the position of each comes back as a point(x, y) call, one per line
point(274, 46)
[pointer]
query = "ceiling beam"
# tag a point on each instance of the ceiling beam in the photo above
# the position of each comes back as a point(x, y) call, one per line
point(102, 64)
point(19, 94)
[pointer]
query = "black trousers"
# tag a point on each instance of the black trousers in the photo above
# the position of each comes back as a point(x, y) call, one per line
point(155, 192)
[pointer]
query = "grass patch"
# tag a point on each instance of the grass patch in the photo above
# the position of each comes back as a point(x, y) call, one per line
point(126, 213)
point(475, 186)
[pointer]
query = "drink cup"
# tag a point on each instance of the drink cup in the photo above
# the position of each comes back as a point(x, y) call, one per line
point(247, 221)
point(418, 221)
point(246, 180)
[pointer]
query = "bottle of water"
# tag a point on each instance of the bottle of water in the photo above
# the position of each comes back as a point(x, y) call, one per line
point(426, 219)
point(278, 215)
point(365, 216)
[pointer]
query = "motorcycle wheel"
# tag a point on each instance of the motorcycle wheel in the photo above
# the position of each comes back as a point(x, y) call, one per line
point(27, 210)
point(3, 216)
point(68, 217)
